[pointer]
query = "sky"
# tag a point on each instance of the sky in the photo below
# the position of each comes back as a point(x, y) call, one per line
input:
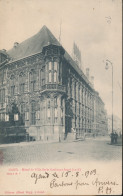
point(94, 25)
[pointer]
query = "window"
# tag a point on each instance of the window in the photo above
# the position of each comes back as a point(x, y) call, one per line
point(33, 85)
point(12, 85)
point(50, 72)
point(21, 82)
point(56, 114)
point(62, 102)
point(55, 71)
point(48, 102)
point(50, 66)
point(61, 112)
point(42, 75)
point(55, 101)
point(22, 87)
point(48, 112)
point(26, 115)
point(6, 117)
point(48, 109)
point(55, 66)
point(55, 76)
point(37, 115)
point(32, 81)
point(16, 118)
point(2, 116)
point(12, 90)
point(2, 95)
point(33, 113)
point(50, 76)
point(22, 110)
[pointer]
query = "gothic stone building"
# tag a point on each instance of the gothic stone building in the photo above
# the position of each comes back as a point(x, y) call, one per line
point(50, 92)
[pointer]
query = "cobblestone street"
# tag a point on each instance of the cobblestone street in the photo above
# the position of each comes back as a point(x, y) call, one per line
point(37, 152)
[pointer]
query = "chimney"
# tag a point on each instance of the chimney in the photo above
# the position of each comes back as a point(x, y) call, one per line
point(16, 44)
point(92, 80)
point(87, 72)
point(4, 50)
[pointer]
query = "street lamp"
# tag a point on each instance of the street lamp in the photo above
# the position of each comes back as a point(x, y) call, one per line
point(107, 67)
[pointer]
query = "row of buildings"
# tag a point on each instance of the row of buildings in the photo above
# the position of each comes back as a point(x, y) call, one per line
point(45, 90)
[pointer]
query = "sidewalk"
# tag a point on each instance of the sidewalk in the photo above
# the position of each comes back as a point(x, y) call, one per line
point(119, 142)
point(26, 143)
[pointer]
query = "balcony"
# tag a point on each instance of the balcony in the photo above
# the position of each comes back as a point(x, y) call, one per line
point(53, 87)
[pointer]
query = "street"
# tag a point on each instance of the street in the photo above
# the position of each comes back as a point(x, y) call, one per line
point(98, 149)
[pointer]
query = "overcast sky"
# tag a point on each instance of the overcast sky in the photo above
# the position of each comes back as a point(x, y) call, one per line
point(95, 26)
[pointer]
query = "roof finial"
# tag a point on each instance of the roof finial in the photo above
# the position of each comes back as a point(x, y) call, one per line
point(60, 31)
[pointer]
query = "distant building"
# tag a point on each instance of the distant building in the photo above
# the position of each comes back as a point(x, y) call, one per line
point(117, 124)
point(44, 88)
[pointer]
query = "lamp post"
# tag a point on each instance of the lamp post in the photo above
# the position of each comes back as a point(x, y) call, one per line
point(107, 67)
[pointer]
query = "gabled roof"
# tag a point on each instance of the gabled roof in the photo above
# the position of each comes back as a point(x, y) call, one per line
point(33, 45)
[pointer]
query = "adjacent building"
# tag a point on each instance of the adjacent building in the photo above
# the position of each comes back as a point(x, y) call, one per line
point(45, 90)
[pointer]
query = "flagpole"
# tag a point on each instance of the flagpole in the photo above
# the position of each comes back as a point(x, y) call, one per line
point(106, 67)
point(60, 32)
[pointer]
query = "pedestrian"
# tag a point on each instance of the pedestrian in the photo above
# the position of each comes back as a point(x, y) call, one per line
point(115, 138)
point(112, 138)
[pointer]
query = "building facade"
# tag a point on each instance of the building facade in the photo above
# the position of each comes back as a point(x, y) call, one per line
point(42, 87)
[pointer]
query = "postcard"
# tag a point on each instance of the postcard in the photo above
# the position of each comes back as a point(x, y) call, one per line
point(61, 97)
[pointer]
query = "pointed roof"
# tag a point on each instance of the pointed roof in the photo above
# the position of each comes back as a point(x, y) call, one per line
point(33, 45)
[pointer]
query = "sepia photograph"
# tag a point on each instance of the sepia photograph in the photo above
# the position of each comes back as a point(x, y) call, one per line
point(61, 97)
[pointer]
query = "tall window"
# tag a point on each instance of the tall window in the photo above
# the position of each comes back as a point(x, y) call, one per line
point(55, 109)
point(22, 82)
point(22, 111)
point(48, 102)
point(2, 116)
point(12, 85)
point(48, 109)
point(55, 71)
point(2, 95)
point(56, 114)
point(50, 72)
point(42, 76)
point(62, 102)
point(12, 90)
point(32, 81)
point(48, 113)
point(33, 113)
point(55, 101)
